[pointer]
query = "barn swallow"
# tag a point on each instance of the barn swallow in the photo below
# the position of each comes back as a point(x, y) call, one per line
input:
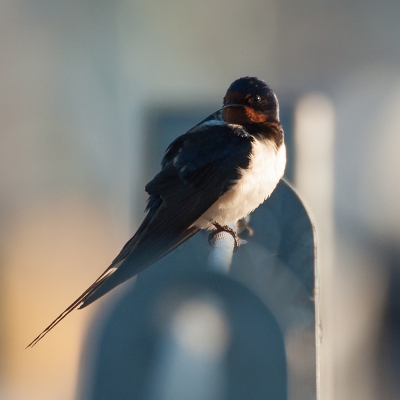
point(211, 177)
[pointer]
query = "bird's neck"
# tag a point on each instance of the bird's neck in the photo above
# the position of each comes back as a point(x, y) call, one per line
point(266, 130)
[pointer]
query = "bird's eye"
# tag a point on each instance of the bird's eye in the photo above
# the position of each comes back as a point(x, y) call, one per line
point(255, 99)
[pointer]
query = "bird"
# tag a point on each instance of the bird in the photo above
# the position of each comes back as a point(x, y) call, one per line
point(211, 177)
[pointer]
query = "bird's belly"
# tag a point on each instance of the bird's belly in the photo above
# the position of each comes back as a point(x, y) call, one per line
point(254, 186)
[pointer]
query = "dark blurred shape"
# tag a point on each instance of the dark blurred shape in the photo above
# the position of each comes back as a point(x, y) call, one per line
point(136, 343)
point(279, 262)
point(389, 343)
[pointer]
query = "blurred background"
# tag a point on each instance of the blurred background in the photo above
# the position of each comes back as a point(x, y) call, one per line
point(79, 84)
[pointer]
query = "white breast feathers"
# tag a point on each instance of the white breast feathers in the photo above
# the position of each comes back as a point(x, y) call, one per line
point(255, 185)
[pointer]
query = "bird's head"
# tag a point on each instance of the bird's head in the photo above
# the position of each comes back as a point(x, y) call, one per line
point(250, 100)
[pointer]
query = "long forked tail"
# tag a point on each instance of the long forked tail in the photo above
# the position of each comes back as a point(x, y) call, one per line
point(106, 274)
point(142, 257)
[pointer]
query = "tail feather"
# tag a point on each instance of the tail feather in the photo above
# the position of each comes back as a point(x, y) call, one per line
point(139, 259)
point(106, 275)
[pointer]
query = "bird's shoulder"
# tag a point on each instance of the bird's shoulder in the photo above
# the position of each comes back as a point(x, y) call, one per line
point(210, 140)
point(208, 155)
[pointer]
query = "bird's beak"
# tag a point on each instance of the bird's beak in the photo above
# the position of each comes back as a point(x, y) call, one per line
point(231, 104)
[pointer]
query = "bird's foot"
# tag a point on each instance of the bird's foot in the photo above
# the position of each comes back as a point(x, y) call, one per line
point(242, 225)
point(219, 228)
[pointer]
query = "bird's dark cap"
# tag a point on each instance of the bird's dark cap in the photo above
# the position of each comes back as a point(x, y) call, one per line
point(250, 85)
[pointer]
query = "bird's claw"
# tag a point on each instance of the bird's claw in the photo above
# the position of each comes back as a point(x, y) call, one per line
point(219, 228)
